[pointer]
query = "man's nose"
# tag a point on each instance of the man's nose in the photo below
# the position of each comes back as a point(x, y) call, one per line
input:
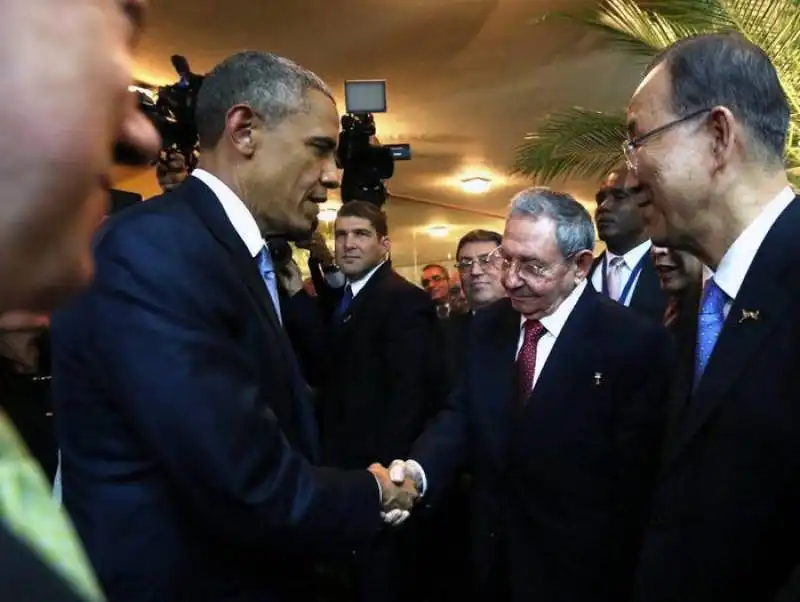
point(476, 269)
point(330, 175)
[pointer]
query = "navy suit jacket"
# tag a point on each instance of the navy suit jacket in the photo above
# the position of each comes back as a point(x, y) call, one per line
point(725, 525)
point(561, 488)
point(648, 299)
point(186, 429)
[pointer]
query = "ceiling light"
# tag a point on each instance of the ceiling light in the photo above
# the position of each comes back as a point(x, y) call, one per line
point(476, 185)
point(438, 231)
point(327, 215)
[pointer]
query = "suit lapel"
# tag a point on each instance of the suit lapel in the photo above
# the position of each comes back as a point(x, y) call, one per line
point(208, 208)
point(496, 385)
point(203, 201)
point(743, 335)
point(563, 362)
point(647, 292)
point(361, 300)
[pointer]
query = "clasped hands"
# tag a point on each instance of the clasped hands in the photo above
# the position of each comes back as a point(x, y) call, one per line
point(401, 487)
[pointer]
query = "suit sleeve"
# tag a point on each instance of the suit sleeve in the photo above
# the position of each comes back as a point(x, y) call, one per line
point(443, 448)
point(190, 393)
point(640, 429)
point(409, 361)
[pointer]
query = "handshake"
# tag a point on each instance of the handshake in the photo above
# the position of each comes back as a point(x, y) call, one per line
point(402, 485)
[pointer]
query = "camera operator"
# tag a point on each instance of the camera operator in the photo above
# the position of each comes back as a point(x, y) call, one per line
point(172, 170)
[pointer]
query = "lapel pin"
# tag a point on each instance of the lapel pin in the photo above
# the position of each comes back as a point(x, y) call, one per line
point(598, 378)
point(750, 314)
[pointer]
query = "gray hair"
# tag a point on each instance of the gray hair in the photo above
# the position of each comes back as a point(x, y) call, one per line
point(574, 227)
point(271, 85)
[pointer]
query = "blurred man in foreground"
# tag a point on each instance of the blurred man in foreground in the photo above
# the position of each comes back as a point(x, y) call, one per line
point(65, 62)
point(198, 480)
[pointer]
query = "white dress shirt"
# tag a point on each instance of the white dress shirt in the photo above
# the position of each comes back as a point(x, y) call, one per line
point(238, 214)
point(629, 262)
point(553, 325)
point(356, 286)
point(737, 260)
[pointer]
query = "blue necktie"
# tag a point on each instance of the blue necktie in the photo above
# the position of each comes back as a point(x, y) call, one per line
point(270, 279)
point(344, 303)
point(709, 325)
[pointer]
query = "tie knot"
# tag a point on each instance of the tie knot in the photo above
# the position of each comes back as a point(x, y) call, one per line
point(533, 330)
point(714, 298)
point(617, 262)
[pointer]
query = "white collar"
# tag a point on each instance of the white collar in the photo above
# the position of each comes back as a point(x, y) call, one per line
point(554, 323)
point(632, 257)
point(238, 214)
point(357, 285)
point(736, 262)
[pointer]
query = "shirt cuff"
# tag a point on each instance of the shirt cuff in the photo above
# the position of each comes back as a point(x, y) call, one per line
point(417, 469)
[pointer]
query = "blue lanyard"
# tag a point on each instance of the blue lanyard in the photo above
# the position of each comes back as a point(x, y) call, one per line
point(634, 274)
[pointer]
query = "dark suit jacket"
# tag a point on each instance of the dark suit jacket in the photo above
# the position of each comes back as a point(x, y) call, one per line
point(725, 524)
point(25, 578)
point(648, 299)
point(560, 489)
point(384, 373)
point(186, 431)
point(455, 333)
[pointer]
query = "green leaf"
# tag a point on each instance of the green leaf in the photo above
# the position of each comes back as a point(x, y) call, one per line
point(585, 143)
point(576, 142)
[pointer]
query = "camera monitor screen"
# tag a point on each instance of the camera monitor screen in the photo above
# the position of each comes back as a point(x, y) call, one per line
point(365, 96)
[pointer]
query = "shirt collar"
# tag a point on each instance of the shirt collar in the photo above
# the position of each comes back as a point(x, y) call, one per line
point(238, 214)
point(737, 259)
point(554, 323)
point(357, 285)
point(634, 256)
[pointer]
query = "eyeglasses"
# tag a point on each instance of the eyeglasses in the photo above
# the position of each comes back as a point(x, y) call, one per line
point(466, 263)
point(435, 278)
point(528, 268)
point(630, 146)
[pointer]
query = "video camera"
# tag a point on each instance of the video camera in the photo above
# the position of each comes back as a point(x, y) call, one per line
point(366, 163)
point(172, 113)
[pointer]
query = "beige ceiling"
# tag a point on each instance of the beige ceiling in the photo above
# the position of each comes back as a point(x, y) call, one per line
point(466, 80)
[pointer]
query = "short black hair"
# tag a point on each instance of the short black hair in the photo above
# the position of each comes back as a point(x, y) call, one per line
point(479, 236)
point(726, 69)
point(368, 211)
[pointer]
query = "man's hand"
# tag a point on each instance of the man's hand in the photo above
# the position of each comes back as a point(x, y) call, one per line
point(400, 470)
point(318, 249)
point(289, 278)
point(397, 499)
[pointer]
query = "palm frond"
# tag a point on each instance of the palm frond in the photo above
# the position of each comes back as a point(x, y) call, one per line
point(585, 143)
point(575, 142)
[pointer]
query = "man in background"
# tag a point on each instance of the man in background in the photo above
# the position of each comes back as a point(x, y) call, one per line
point(624, 272)
point(383, 375)
point(65, 62)
point(198, 482)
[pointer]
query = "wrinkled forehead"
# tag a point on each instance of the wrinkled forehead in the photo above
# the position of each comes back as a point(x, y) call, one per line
point(650, 102)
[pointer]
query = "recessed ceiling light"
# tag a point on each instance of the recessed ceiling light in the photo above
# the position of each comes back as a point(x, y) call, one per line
point(476, 185)
point(327, 216)
point(438, 231)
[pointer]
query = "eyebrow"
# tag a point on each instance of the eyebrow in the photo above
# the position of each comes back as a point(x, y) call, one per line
point(325, 142)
